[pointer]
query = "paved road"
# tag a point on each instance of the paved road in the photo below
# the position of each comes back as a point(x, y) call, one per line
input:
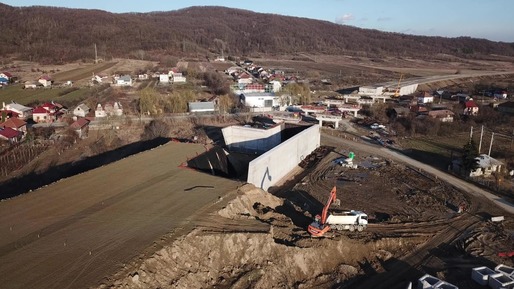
point(461, 184)
point(75, 232)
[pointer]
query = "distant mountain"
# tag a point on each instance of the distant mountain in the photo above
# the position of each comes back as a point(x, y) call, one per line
point(58, 35)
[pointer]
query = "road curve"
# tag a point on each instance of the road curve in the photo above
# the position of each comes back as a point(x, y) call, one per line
point(459, 183)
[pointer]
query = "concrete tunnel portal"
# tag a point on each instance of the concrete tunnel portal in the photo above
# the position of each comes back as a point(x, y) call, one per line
point(254, 154)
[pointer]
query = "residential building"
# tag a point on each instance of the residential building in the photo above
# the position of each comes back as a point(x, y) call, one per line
point(16, 124)
point(81, 127)
point(486, 166)
point(31, 84)
point(260, 100)
point(444, 115)
point(470, 108)
point(164, 79)
point(99, 111)
point(176, 76)
point(10, 135)
point(124, 80)
point(425, 97)
point(42, 115)
point(24, 112)
point(81, 110)
point(45, 81)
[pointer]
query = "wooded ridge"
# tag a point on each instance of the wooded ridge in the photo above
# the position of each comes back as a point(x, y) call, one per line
point(57, 35)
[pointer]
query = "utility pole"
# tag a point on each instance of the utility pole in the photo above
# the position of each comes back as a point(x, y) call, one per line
point(481, 135)
point(471, 134)
point(491, 144)
point(96, 55)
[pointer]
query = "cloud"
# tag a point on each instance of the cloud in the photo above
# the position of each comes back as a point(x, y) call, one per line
point(383, 19)
point(345, 18)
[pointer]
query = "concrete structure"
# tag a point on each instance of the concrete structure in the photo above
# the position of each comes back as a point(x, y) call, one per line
point(431, 282)
point(371, 90)
point(271, 167)
point(500, 280)
point(335, 119)
point(204, 106)
point(507, 270)
point(481, 275)
point(252, 140)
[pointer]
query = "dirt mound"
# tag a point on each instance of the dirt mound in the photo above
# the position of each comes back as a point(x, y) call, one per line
point(255, 260)
point(244, 205)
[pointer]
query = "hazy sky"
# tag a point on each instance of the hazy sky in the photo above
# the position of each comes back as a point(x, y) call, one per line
point(490, 19)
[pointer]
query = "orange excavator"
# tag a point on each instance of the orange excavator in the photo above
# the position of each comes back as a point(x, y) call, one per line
point(339, 220)
point(319, 227)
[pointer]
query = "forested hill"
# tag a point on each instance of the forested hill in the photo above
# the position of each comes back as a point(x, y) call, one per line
point(57, 34)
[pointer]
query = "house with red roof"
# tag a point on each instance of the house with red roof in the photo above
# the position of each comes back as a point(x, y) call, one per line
point(42, 115)
point(16, 124)
point(45, 80)
point(81, 126)
point(10, 135)
point(470, 108)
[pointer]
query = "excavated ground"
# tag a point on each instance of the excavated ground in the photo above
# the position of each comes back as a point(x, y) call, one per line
point(259, 240)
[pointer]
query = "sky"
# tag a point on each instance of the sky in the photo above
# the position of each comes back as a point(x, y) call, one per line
point(489, 19)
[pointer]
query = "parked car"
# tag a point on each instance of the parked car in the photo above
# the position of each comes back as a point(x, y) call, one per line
point(377, 126)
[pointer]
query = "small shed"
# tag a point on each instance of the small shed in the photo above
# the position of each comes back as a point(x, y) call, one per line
point(206, 106)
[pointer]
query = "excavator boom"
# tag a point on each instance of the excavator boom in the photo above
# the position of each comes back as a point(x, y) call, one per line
point(319, 227)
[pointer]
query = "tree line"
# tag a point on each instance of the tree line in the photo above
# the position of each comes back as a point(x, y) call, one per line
point(53, 35)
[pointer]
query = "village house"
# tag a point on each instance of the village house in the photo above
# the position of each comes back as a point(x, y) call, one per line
point(425, 98)
point(177, 77)
point(6, 77)
point(45, 81)
point(109, 109)
point(10, 135)
point(244, 78)
point(42, 115)
point(486, 166)
point(31, 84)
point(81, 110)
point(260, 101)
point(81, 127)
point(399, 112)
point(7, 114)
point(24, 112)
point(16, 124)
point(124, 80)
point(443, 115)
point(470, 108)
point(164, 79)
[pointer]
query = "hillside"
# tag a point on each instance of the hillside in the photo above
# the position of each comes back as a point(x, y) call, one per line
point(47, 34)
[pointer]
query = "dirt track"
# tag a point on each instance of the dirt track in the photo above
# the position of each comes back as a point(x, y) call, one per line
point(71, 233)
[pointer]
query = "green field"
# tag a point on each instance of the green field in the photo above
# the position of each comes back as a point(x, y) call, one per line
point(17, 94)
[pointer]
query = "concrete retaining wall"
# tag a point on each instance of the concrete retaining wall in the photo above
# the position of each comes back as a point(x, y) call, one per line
point(252, 140)
point(271, 167)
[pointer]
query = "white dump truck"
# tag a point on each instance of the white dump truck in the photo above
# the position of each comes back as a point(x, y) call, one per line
point(347, 220)
point(337, 220)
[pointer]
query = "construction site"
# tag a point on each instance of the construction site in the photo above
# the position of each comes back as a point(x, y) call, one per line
point(267, 206)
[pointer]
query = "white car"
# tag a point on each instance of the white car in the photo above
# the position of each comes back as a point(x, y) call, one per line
point(377, 126)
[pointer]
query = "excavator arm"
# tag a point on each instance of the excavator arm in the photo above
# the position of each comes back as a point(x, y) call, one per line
point(319, 227)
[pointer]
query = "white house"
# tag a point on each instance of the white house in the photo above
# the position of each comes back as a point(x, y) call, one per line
point(124, 80)
point(176, 77)
point(276, 86)
point(24, 112)
point(264, 101)
point(486, 166)
point(99, 111)
point(81, 110)
point(45, 80)
point(164, 79)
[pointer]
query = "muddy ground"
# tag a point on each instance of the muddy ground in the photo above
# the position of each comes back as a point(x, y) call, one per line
point(259, 239)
